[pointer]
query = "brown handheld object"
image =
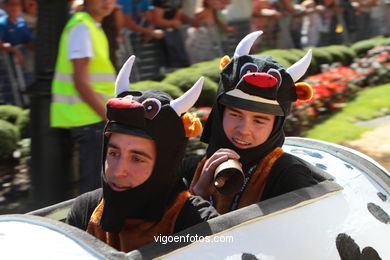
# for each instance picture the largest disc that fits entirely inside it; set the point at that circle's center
(228, 177)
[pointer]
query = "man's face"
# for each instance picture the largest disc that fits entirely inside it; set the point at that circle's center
(13, 8)
(129, 161)
(100, 8)
(246, 129)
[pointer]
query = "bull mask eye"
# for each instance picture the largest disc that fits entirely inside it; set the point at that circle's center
(248, 68)
(276, 74)
(152, 107)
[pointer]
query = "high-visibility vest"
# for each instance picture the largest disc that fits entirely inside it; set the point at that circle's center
(67, 107)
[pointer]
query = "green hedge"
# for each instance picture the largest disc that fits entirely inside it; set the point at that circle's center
(314, 67)
(289, 57)
(186, 78)
(321, 57)
(282, 56)
(384, 41)
(299, 52)
(336, 53)
(163, 86)
(362, 47)
(349, 53)
(9, 137)
(209, 69)
(10, 113)
(23, 123)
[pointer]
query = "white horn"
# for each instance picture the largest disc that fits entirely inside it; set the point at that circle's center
(188, 99)
(122, 82)
(245, 45)
(298, 69)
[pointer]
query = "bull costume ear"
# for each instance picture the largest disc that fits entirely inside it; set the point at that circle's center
(304, 91)
(223, 62)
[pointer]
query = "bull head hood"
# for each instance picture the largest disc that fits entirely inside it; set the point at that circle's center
(260, 84)
(154, 115)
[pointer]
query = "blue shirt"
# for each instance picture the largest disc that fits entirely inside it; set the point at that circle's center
(13, 33)
(136, 8)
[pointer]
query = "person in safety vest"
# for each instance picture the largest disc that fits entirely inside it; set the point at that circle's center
(246, 124)
(83, 82)
(142, 196)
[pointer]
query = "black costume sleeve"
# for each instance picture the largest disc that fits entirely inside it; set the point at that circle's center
(82, 209)
(188, 167)
(194, 211)
(290, 173)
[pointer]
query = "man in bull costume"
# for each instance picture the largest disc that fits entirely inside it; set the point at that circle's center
(142, 196)
(246, 123)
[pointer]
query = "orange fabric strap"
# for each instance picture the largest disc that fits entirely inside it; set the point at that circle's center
(197, 174)
(137, 232)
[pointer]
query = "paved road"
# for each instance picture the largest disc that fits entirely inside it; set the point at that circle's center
(376, 144)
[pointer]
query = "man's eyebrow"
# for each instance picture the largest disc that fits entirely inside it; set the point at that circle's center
(139, 152)
(111, 145)
(233, 109)
(262, 117)
(256, 116)
(142, 153)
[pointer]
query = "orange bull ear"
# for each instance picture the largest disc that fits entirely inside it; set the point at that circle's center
(223, 62)
(304, 91)
(192, 124)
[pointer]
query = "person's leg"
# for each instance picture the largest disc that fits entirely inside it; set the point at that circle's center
(90, 140)
(174, 48)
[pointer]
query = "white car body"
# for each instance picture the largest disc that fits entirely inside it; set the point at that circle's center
(346, 215)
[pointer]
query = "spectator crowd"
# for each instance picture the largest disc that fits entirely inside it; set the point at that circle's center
(17, 36)
(191, 31)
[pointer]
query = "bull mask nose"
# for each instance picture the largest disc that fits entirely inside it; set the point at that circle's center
(260, 79)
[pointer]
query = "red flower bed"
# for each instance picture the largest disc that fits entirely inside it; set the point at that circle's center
(203, 113)
(331, 88)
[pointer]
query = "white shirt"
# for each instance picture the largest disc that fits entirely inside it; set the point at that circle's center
(238, 10)
(79, 42)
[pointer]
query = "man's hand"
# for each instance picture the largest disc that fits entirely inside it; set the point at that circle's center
(15, 51)
(205, 185)
(230, 29)
(19, 57)
(175, 24)
(153, 34)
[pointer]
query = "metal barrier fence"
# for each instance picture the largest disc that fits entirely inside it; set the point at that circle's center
(151, 60)
(12, 82)
(150, 56)
(288, 33)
